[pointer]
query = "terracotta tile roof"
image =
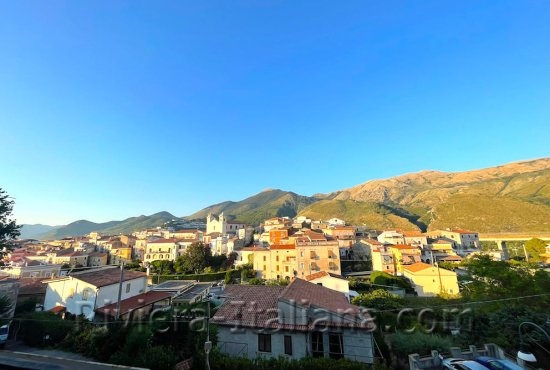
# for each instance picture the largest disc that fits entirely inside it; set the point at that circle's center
(97, 254)
(316, 275)
(403, 246)
(254, 248)
(451, 258)
(32, 286)
(57, 309)
(418, 266)
(65, 252)
(252, 306)
(282, 246)
(340, 227)
(106, 276)
(135, 302)
(32, 262)
(372, 242)
(316, 296)
(248, 305)
(321, 274)
(312, 235)
(412, 233)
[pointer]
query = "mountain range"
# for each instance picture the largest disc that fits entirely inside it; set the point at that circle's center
(507, 198)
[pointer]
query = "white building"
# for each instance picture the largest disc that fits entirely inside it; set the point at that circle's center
(462, 238)
(220, 224)
(391, 237)
(161, 249)
(84, 292)
(32, 269)
(331, 281)
(336, 222)
(296, 321)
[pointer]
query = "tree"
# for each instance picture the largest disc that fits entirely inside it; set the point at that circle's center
(228, 278)
(162, 267)
(196, 257)
(9, 229)
(497, 279)
(534, 248)
(379, 299)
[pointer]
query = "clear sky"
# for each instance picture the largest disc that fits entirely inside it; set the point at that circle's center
(112, 109)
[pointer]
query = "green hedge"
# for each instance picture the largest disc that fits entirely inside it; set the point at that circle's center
(35, 326)
(223, 362)
(214, 276)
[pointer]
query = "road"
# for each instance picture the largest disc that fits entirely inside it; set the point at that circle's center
(18, 356)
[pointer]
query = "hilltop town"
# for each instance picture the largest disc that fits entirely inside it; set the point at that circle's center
(329, 264)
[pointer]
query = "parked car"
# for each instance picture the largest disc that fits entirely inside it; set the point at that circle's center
(4, 331)
(497, 364)
(461, 364)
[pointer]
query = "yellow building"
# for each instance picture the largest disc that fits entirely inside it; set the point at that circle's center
(440, 251)
(161, 249)
(96, 259)
(404, 255)
(277, 262)
(315, 256)
(383, 260)
(120, 255)
(431, 280)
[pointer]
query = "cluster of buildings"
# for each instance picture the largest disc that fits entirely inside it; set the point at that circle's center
(310, 316)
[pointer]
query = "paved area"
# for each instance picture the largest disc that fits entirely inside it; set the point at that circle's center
(17, 355)
(21, 347)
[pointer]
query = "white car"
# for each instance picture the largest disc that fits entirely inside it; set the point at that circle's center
(461, 364)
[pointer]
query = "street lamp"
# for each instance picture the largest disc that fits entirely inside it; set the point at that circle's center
(524, 353)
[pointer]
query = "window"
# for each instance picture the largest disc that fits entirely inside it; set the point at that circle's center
(264, 258)
(277, 258)
(286, 268)
(128, 288)
(317, 344)
(288, 345)
(264, 342)
(277, 267)
(336, 346)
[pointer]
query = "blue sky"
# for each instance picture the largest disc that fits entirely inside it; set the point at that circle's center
(112, 109)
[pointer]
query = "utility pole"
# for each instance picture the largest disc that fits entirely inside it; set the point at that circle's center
(208, 343)
(117, 316)
(526, 255)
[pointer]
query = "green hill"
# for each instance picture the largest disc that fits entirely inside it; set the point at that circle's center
(83, 227)
(507, 198)
(372, 214)
(257, 208)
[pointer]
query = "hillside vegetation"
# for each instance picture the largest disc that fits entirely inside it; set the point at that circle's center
(83, 227)
(509, 198)
(257, 208)
(362, 213)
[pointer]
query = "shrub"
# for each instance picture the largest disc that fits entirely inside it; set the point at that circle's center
(418, 342)
(41, 329)
(223, 362)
